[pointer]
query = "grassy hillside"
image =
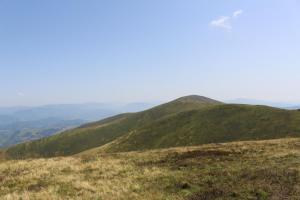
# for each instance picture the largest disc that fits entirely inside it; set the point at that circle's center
(221, 123)
(99, 133)
(240, 170)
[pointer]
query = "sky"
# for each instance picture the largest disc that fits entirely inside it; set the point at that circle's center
(75, 51)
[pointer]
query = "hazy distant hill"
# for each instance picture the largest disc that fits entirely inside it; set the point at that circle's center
(88, 111)
(18, 132)
(263, 102)
(19, 124)
(7, 119)
(294, 108)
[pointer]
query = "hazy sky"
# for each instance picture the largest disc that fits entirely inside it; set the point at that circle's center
(62, 51)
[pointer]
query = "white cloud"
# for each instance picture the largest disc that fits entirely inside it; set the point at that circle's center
(224, 22)
(20, 94)
(237, 13)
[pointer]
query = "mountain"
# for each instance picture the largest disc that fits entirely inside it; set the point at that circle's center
(20, 124)
(222, 123)
(190, 120)
(102, 132)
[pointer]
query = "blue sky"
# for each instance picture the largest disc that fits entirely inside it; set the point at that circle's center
(72, 51)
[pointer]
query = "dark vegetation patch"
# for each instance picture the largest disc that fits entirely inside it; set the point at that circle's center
(209, 194)
(280, 182)
(250, 183)
(184, 158)
(67, 170)
(88, 158)
(184, 185)
(200, 153)
(36, 187)
(236, 171)
(66, 190)
(2, 177)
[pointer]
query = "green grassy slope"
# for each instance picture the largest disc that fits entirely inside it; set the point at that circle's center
(102, 132)
(187, 121)
(221, 123)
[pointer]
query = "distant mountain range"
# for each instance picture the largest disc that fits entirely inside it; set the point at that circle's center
(294, 108)
(19, 124)
(22, 131)
(190, 120)
(88, 111)
(286, 105)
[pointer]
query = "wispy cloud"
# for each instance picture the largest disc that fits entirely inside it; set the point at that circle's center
(224, 22)
(20, 94)
(237, 13)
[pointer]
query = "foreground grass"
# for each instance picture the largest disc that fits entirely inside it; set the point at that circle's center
(241, 170)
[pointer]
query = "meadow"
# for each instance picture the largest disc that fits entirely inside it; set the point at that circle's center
(239, 170)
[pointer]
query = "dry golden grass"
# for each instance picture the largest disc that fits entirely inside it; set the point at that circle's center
(240, 170)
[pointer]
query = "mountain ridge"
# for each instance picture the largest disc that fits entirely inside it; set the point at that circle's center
(189, 120)
(99, 133)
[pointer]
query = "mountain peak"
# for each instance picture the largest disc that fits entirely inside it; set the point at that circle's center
(196, 98)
